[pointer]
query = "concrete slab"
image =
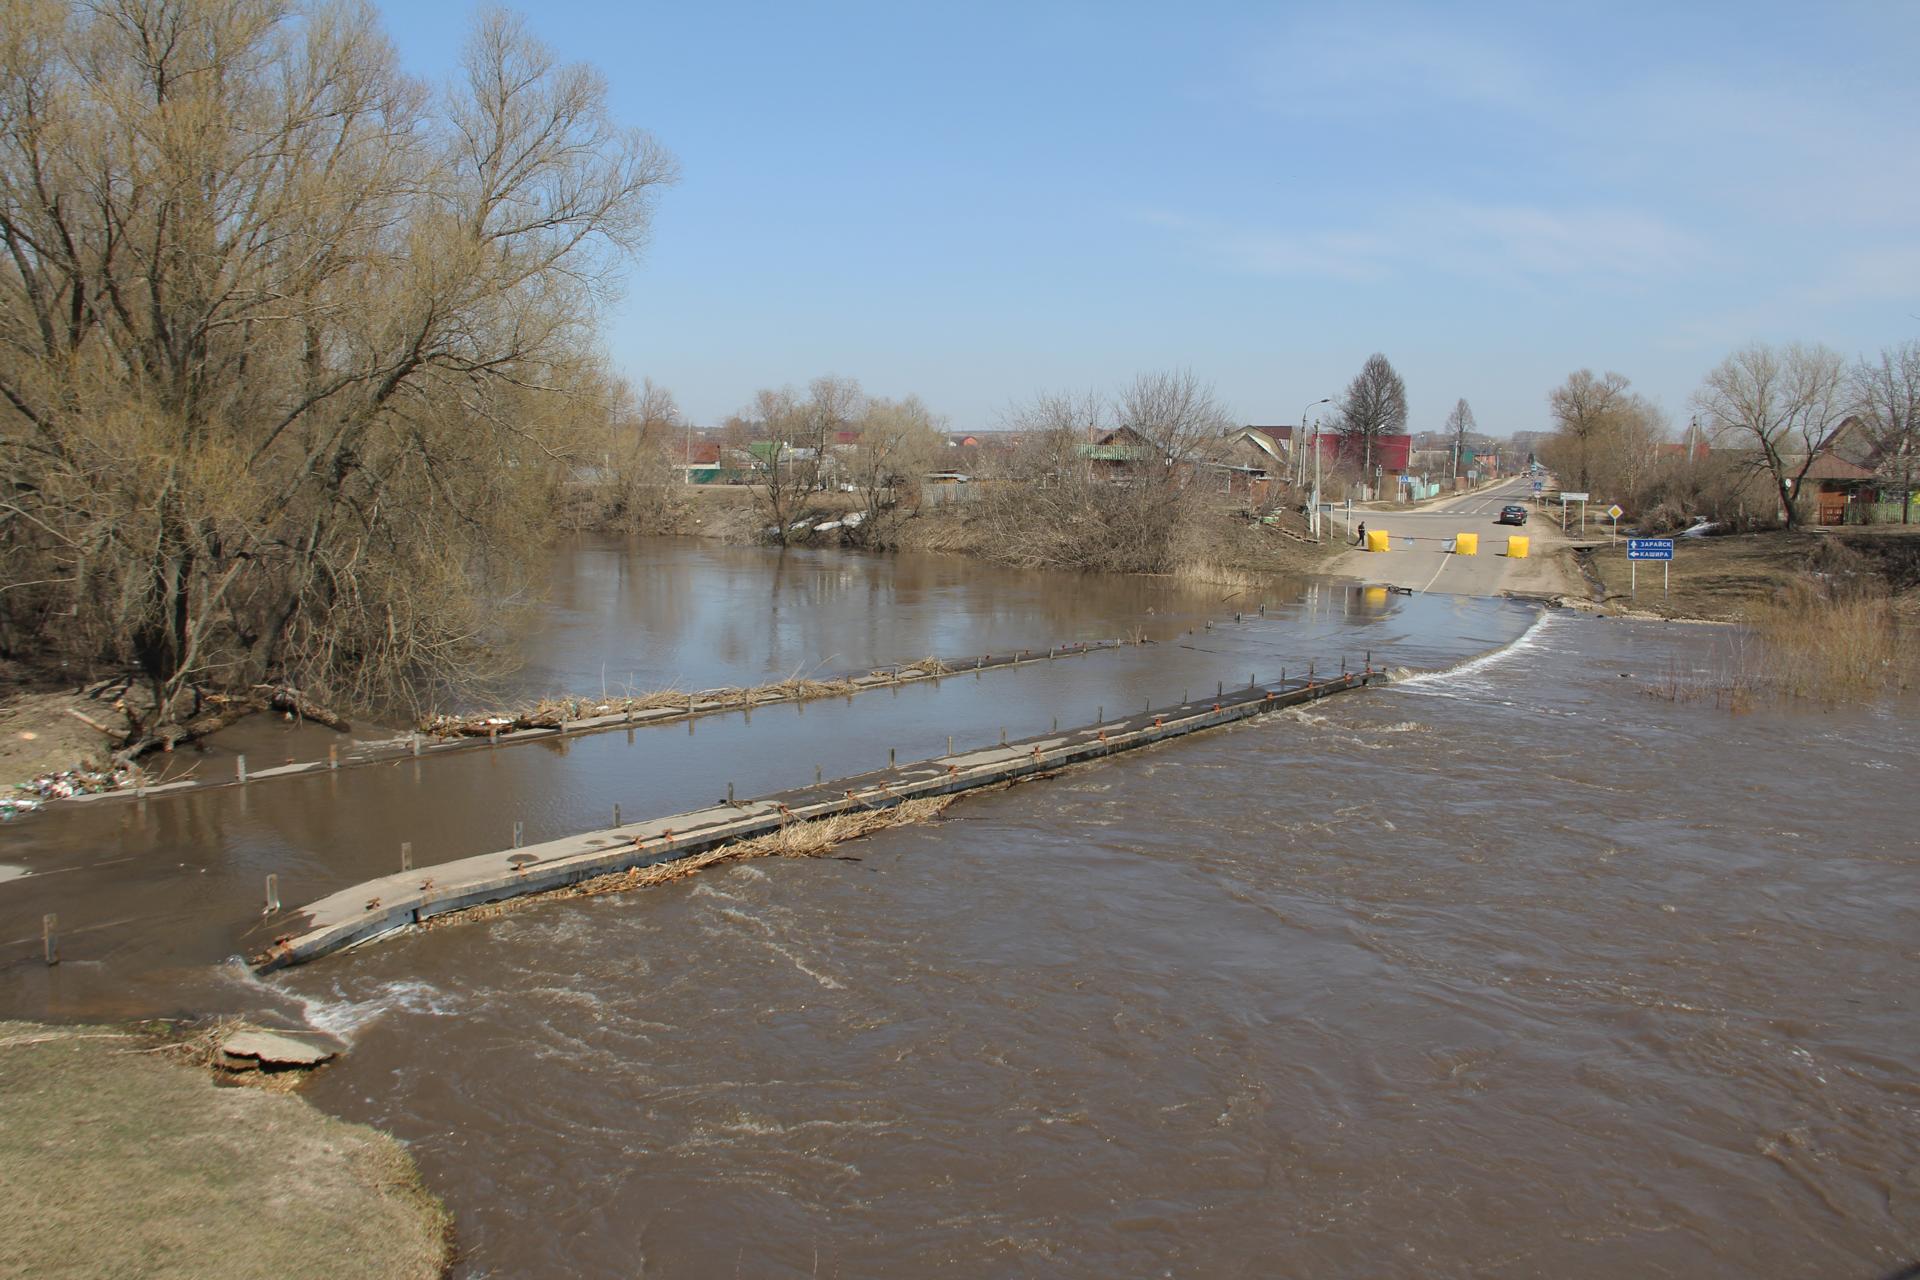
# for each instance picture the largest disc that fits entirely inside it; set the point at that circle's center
(273, 1049)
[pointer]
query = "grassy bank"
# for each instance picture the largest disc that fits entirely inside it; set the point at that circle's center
(118, 1159)
(1728, 579)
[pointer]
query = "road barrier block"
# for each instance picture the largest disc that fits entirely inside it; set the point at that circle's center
(1466, 544)
(1516, 547)
(1379, 540)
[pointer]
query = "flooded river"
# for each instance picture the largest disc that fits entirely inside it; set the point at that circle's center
(1509, 970)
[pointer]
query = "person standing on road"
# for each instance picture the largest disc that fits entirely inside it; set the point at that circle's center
(1360, 535)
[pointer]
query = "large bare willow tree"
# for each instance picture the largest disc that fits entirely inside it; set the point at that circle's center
(288, 343)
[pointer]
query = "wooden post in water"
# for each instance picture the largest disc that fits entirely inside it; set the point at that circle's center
(333, 756)
(616, 814)
(890, 757)
(240, 768)
(949, 744)
(519, 831)
(406, 855)
(273, 893)
(416, 744)
(50, 937)
(816, 775)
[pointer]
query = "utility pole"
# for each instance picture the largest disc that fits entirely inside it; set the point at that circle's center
(1299, 432)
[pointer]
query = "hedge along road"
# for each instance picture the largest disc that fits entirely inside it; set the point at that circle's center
(1420, 559)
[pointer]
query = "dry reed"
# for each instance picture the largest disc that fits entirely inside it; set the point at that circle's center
(1805, 644)
(1849, 648)
(815, 839)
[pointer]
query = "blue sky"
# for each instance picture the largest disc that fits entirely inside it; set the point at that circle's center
(975, 203)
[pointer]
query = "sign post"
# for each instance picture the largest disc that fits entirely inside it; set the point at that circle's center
(1639, 549)
(1615, 512)
(1580, 498)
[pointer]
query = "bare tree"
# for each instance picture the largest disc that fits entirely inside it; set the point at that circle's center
(656, 414)
(1584, 409)
(1077, 510)
(1460, 424)
(895, 442)
(1886, 391)
(797, 445)
(1629, 450)
(769, 427)
(283, 345)
(1781, 403)
(1375, 405)
(633, 448)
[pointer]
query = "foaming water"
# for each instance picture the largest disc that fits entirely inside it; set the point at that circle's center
(1462, 675)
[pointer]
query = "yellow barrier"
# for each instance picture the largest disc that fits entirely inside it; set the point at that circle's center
(1516, 548)
(1379, 540)
(1466, 544)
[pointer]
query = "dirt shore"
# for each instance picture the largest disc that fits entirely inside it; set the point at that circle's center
(116, 1159)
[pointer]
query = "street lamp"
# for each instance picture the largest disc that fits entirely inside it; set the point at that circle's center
(1313, 512)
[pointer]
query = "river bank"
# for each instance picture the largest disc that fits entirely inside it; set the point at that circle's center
(118, 1158)
(1728, 578)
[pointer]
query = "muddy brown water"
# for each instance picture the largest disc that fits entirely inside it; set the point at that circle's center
(1509, 970)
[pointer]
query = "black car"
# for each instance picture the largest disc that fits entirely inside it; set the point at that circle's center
(1513, 513)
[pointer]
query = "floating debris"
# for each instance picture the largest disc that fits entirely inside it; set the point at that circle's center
(63, 785)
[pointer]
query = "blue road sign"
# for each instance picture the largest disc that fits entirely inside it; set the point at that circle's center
(1537, 486)
(1649, 548)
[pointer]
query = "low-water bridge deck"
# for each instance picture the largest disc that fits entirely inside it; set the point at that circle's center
(377, 907)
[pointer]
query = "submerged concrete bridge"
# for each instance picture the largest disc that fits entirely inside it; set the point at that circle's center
(391, 903)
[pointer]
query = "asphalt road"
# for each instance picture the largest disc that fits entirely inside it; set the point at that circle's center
(1420, 559)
